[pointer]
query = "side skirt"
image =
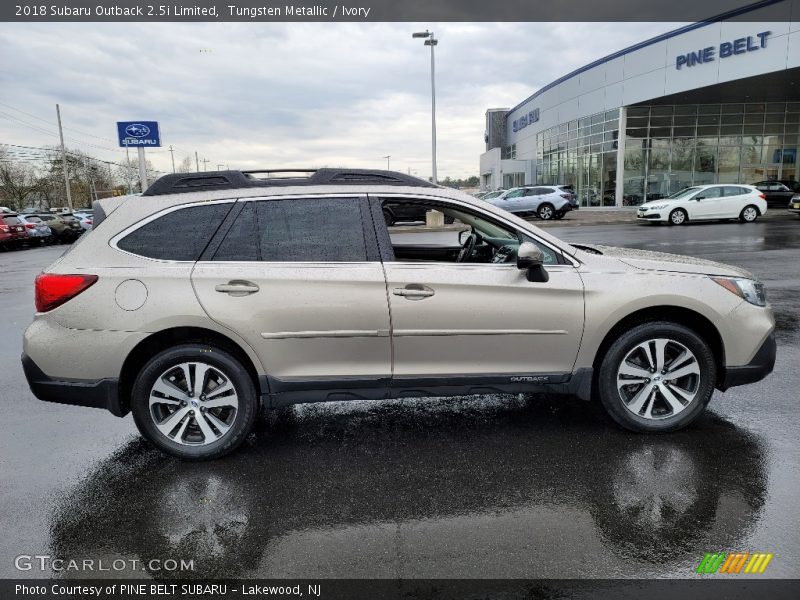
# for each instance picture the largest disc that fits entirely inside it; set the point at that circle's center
(278, 392)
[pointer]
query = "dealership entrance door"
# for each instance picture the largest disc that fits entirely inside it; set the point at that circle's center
(762, 172)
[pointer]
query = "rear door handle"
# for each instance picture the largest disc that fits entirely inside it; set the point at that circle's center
(414, 291)
(237, 288)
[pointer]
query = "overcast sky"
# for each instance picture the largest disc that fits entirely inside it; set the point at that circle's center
(286, 95)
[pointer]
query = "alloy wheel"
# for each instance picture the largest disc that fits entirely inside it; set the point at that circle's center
(658, 379)
(545, 213)
(193, 403)
(677, 217)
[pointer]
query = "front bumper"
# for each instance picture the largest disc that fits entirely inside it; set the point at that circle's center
(756, 370)
(96, 393)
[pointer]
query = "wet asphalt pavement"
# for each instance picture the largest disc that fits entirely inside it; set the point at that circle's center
(496, 486)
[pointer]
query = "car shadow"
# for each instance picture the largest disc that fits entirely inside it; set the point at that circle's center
(652, 498)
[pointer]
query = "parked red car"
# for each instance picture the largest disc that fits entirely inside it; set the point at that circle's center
(12, 231)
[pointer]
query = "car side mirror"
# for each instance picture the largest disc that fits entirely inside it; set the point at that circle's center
(531, 258)
(698, 198)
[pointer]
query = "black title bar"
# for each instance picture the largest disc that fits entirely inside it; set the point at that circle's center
(430, 11)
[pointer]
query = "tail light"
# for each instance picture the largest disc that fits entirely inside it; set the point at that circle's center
(88, 221)
(567, 196)
(53, 290)
(30, 225)
(762, 196)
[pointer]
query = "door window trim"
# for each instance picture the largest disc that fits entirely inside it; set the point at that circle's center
(370, 242)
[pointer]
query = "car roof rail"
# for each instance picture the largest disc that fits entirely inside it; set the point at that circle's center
(178, 183)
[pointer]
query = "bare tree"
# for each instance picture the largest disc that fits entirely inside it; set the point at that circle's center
(17, 181)
(186, 165)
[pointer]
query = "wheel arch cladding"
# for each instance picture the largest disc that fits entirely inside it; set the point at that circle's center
(672, 314)
(168, 338)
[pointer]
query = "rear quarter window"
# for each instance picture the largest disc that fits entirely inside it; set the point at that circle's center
(178, 235)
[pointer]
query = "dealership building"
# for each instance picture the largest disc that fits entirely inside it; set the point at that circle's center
(712, 102)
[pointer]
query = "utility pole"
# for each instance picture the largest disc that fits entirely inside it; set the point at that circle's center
(172, 152)
(219, 166)
(388, 157)
(196, 162)
(205, 162)
(64, 159)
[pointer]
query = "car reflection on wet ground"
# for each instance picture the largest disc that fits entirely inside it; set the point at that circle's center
(495, 486)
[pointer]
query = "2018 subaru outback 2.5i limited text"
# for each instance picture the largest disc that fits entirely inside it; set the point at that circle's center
(213, 294)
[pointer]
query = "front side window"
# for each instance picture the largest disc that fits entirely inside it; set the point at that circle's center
(467, 236)
(709, 193)
(179, 235)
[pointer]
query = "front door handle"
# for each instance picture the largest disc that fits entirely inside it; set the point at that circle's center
(414, 291)
(237, 288)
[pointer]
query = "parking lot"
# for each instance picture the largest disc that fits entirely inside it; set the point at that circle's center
(494, 486)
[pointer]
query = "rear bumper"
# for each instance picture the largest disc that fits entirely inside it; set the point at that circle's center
(756, 370)
(99, 393)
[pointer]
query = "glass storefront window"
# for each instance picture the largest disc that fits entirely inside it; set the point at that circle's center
(705, 165)
(728, 162)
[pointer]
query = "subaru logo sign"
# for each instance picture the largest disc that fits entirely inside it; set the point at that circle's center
(138, 133)
(137, 130)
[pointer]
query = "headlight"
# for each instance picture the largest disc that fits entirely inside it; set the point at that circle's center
(658, 206)
(752, 291)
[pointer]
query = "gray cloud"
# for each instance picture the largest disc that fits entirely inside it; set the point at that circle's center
(278, 95)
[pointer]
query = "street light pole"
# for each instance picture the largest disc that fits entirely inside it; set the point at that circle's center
(388, 157)
(431, 41)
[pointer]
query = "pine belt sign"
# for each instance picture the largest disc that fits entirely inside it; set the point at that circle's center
(730, 48)
(138, 133)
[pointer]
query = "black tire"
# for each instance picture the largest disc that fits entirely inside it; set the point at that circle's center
(559, 215)
(241, 422)
(678, 217)
(545, 211)
(749, 214)
(388, 217)
(611, 396)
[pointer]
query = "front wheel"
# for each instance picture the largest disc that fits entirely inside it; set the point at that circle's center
(677, 217)
(545, 212)
(657, 377)
(194, 401)
(749, 214)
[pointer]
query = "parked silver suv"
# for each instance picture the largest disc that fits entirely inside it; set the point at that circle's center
(213, 294)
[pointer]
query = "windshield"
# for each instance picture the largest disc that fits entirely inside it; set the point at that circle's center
(492, 195)
(514, 194)
(683, 193)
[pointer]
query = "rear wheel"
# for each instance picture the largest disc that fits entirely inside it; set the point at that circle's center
(749, 214)
(657, 376)
(194, 401)
(559, 215)
(545, 212)
(677, 217)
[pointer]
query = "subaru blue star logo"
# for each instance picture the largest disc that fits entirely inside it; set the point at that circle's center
(137, 130)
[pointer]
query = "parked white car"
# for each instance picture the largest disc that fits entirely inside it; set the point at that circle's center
(85, 220)
(706, 202)
(544, 201)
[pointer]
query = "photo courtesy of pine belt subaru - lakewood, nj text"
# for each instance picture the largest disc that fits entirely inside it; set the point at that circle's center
(214, 294)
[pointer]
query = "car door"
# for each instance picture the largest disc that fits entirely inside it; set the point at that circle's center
(706, 204)
(300, 279)
(456, 321)
(734, 199)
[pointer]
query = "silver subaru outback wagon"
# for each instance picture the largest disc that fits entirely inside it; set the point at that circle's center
(213, 295)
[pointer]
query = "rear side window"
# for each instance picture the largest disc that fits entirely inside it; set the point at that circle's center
(178, 235)
(311, 230)
(296, 230)
(12, 221)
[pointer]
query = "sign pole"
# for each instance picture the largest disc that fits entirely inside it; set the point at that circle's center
(142, 168)
(128, 170)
